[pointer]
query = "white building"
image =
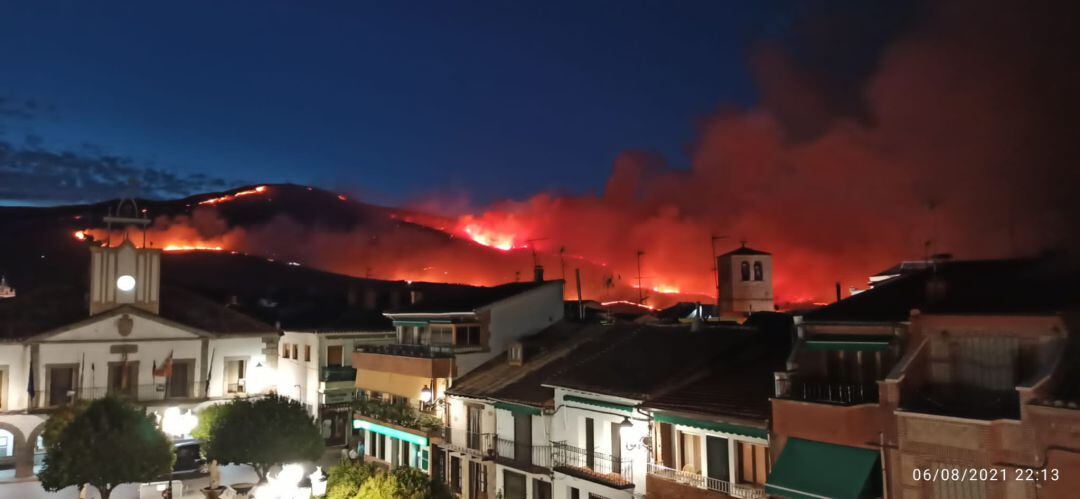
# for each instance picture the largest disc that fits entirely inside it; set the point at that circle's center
(441, 336)
(127, 334)
(745, 282)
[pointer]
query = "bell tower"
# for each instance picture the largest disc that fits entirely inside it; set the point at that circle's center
(745, 282)
(125, 274)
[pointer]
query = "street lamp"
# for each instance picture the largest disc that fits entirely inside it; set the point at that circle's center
(425, 394)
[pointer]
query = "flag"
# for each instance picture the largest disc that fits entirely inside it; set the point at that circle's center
(166, 367)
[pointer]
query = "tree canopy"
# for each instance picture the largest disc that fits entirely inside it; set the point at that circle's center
(356, 480)
(106, 443)
(262, 433)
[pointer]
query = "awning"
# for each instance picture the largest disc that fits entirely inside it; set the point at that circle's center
(746, 431)
(847, 346)
(815, 470)
(598, 403)
(517, 409)
(360, 424)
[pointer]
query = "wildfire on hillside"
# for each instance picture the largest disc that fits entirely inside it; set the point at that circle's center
(229, 197)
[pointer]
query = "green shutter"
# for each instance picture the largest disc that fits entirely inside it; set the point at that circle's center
(815, 470)
(517, 409)
(598, 403)
(746, 431)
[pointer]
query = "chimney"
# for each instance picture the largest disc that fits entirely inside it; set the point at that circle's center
(538, 273)
(580, 303)
(838, 296)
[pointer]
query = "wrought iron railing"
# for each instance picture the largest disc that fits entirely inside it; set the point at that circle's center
(834, 393)
(535, 455)
(141, 393)
(739, 490)
(605, 467)
(409, 350)
(469, 442)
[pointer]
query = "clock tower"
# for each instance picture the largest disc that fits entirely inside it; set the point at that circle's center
(125, 274)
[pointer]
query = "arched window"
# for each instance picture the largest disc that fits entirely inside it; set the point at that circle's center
(758, 273)
(745, 271)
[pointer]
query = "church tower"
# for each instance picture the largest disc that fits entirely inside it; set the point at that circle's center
(745, 282)
(125, 274)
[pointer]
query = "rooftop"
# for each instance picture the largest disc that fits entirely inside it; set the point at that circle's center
(1014, 286)
(461, 298)
(743, 250)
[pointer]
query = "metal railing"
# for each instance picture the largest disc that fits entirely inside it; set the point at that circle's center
(834, 393)
(704, 482)
(535, 455)
(337, 373)
(469, 442)
(408, 350)
(140, 393)
(594, 464)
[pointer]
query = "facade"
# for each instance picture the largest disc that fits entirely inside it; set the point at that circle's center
(745, 282)
(315, 368)
(440, 336)
(955, 367)
(138, 339)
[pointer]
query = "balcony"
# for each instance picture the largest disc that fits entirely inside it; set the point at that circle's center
(410, 350)
(833, 393)
(149, 393)
(398, 415)
(469, 442)
(598, 467)
(527, 457)
(695, 480)
(337, 373)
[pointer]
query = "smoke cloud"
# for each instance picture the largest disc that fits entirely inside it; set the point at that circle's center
(958, 142)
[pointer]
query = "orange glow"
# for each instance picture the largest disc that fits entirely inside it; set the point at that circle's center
(229, 197)
(185, 247)
(489, 238)
(342, 197)
(80, 235)
(627, 302)
(666, 289)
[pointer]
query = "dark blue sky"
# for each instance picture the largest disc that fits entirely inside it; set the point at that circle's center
(390, 100)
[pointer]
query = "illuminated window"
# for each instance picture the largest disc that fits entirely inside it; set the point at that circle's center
(745, 267)
(759, 274)
(753, 463)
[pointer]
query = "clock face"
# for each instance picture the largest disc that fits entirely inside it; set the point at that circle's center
(125, 283)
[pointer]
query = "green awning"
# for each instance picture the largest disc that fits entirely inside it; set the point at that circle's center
(360, 424)
(517, 409)
(815, 470)
(847, 346)
(411, 323)
(598, 403)
(746, 431)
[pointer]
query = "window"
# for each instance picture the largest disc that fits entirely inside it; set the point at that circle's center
(307, 353)
(523, 438)
(284, 350)
(477, 479)
(235, 374)
(123, 379)
(590, 443)
(716, 457)
(753, 463)
(473, 427)
(575, 493)
(455, 474)
(61, 380)
(513, 485)
(6, 446)
(467, 336)
(759, 274)
(334, 355)
(440, 334)
(399, 400)
(295, 352)
(182, 379)
(541, 489)
(616, 448)
(745, 269)
(689, 453)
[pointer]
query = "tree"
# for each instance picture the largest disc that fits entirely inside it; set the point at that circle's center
(345, 479)
(262, 433)
(107, 443)
(402, 483)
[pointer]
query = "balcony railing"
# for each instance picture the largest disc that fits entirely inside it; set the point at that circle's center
(596, 466)
(833, 393)
(407, 350)
(139, 393)
(469, 442)
(337, 373)
(704, 482)
(527, 455)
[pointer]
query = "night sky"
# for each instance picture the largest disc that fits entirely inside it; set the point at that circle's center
(391, 101)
